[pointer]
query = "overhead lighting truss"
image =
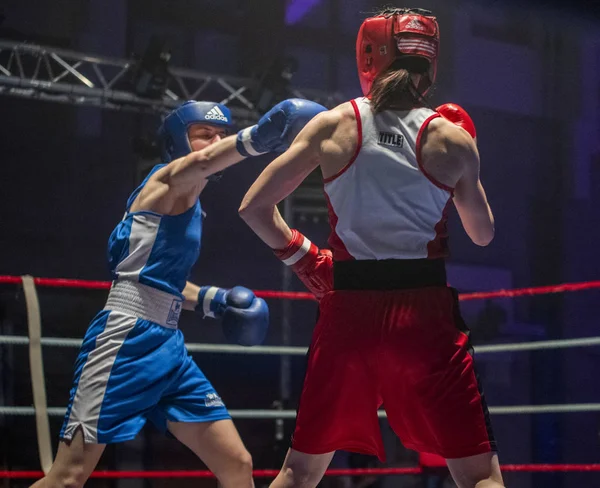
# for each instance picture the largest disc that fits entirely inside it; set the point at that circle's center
(59, 75)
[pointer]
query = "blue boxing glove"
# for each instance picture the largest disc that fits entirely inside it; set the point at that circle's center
(245, 318)
(278, 128)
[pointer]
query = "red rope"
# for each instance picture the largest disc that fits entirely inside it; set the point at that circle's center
(271, 473)
(286, 295)
(539, 290)
(60, 282)
(551, 468)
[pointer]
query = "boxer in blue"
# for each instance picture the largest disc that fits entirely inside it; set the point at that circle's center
(133, 365)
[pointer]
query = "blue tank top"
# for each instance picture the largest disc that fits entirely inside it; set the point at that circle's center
(155, 250)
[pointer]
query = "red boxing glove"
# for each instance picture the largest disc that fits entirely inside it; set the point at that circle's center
(312, 265)
(459, 116)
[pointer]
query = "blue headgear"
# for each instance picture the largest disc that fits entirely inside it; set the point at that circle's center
(173, 132)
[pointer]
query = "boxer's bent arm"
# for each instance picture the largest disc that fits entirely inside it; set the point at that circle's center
(469, 196)
(187, 171)
(190, 292)
(280, 178)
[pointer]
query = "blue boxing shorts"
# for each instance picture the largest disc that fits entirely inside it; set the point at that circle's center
(131, 369)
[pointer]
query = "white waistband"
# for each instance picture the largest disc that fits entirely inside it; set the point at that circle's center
(145, 302)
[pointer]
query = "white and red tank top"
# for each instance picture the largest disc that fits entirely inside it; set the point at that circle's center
(382, 204)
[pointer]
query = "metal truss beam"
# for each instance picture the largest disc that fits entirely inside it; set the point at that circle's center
(59, 75)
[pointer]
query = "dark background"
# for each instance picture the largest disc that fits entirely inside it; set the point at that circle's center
(528, 73)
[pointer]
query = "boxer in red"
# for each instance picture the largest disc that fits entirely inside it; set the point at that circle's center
(389, 332)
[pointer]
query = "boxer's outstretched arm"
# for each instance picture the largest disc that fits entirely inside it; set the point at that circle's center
(280, 178)
(187, 171)
(273, 133)
(186, 175)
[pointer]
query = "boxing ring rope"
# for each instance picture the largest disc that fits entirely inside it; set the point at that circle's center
(529, 291)
(40, 409)
(301, 351)
(259, 414)
(271, 473)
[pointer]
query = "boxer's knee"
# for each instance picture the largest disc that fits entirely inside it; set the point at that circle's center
(480, 471)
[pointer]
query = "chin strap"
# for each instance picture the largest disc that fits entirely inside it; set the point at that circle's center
(419, 97)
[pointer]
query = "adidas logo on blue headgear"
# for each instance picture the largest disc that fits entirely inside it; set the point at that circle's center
(216, 113)
(173, 130)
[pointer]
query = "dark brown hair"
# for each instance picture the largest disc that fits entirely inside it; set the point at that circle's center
(394, 88)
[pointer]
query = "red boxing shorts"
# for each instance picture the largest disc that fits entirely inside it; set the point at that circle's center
(407, 351)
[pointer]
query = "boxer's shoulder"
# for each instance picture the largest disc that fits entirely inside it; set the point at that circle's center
(325, 123)
(442, 132)
(344, 111)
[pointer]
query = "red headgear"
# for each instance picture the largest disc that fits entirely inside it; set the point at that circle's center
(393, 34)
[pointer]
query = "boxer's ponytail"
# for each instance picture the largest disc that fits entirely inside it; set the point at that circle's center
(394, 88)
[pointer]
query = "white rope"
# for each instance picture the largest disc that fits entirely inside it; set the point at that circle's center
(273, 350)
(291, 414)
(539, 345)
(38, 381)
(27, 411)
(46, 341)
(301, 351)
(525, 409)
